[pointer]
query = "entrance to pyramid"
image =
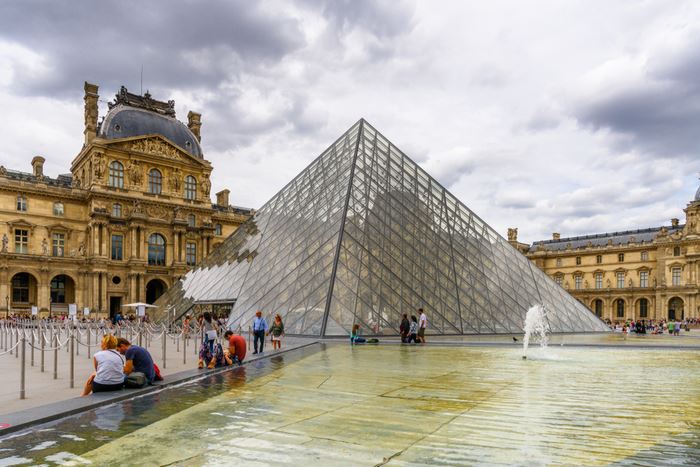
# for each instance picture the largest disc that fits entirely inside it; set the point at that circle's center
(362, 236)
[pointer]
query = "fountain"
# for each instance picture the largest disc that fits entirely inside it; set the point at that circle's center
(535, 325)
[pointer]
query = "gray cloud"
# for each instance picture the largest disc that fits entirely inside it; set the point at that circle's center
(660, 114)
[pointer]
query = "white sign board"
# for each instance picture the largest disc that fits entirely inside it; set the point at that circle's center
(72, 309)
(35, 311)
(141, 310)
(86, 311)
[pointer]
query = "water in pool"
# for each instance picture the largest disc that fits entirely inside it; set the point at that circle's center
(401, 405)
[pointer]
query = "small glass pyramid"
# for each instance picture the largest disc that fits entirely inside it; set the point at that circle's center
(363, 235)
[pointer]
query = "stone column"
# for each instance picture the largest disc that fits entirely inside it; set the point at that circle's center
(95, 232)
(43, 291)
(103, 294)
(5, 288)
(94, 292)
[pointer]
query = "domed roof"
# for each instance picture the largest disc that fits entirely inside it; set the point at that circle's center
(697, 195)
(123, 121)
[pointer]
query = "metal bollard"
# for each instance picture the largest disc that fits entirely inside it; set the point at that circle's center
(140, 337)
(32, 348)
(165, 343)
(23, 371)
(72, 360)
(42, 351)
(88, 346)
(55, 357)
(184, 351)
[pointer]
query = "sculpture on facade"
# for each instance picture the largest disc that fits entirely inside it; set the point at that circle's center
(175, 180)
(513, 235)
(206, 185)
(100, 165)
(44, 247)
(135, 173)
(4, 243)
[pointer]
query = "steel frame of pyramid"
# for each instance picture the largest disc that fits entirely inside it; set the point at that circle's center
(363, 235)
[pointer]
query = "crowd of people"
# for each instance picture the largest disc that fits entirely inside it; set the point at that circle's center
(673, 327)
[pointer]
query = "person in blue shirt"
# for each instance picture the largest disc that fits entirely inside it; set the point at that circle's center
(259, 331)
(137, 359)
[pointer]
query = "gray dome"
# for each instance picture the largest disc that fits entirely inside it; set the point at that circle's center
(125, 121)
(697, 195)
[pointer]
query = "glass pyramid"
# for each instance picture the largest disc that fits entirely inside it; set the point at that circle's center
(363, 235)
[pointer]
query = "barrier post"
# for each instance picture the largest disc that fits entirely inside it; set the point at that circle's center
(42, 350)
(184, 350)
(32, 347)
(165, 344)
(23, 371)
(55, 356)
(88, 346)
(72, 359)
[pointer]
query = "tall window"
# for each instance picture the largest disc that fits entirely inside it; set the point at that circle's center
(21, 241)
(598, 308)
(117, 247)
(598, 280)
(558, 279)
(676, 251)
(58, 289)
(620, 280)
(676, 276)
(599, 259)
(20, 288)
(645, 256)
(191, 254)
(58, 243)
(620, 308)
(558, 262)
(58, 209)
(217, 229)
(643, 308)
(116, 210)
(577, 282)
(156, 250)
(155, 181)
(21, 203)
(621, 258)
(578, 260)
(116, 174)
(644, 279)
(190, 187)
(191, 220)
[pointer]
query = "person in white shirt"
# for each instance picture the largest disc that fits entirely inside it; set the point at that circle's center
(109, 368)
(422, 324)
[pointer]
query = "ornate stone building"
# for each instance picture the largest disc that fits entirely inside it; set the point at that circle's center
(131, 218)
(636, 274)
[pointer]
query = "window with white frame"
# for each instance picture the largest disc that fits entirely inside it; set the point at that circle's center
(21, 203)
(620, 280)
(58, 209)
(645, 256)
(598, 280)
(58, 243)
(21, 241)
(676, 276)
(578, 280)
(558, 279)
(644, 279)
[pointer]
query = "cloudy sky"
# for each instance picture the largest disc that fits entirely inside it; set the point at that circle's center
(570, 116)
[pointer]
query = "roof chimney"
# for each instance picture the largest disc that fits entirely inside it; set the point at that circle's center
(222, 197)
(91, 97)
(674, 222)
(194, 123)
(38, 166)
(556, 236)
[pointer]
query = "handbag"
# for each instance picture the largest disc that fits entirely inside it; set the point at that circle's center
(135, 380)
(211, 335)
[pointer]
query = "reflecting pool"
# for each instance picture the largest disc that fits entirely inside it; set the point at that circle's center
(400, 405)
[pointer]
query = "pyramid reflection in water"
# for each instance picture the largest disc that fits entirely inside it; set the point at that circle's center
(363, 235)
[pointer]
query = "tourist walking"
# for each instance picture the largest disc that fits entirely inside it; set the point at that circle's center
(404, 327)
(422, 325)
(277, 332)
(677, 328)
(259, 331)
(109, 368)
(413, 330)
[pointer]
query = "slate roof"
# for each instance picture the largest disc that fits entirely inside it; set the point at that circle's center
(617, 238)
(62, 181)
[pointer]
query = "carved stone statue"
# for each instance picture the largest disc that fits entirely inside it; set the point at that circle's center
(175, 180)
(44, 247)
(607, 283)
(81, 249)
(513, 235)
(206, 186)
(631, 283)
(137, 209)
(100, 166)
(4, 243)
(135, 174)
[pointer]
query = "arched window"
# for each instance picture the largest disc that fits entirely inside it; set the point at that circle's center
(620, 308)
(58, 289)
(155, 181)
(116, 174)
(191, 220)
(190, 187)
(20, 288)
(116, 210)
(643, 308)
(58, 209)
(156, 250)
(598, 308)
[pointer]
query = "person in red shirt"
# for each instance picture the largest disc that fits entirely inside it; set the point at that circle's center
(236, 346)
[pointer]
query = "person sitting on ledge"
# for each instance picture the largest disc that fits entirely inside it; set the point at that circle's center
(137, 359)
(355, 335)
(109, 366)
(236, 346)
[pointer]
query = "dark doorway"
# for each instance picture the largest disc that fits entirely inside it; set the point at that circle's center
(115, 304)
(675, 308)
(154, 289)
